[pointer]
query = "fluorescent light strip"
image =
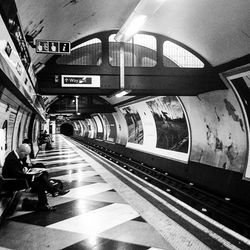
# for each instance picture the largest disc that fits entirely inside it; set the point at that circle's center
(144, 10)
(122, 93)
(135, 26)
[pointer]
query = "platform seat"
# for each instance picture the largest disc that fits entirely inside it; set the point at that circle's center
(10, 193)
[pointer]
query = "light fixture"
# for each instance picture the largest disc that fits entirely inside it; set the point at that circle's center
(142, 12)
(38, 67)
(132, 28)
(122, 92)
(119, 93)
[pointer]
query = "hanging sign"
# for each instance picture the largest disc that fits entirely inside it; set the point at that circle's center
(81, 81)
(53, 47)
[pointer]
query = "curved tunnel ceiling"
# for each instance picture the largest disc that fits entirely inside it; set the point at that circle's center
(217, 30)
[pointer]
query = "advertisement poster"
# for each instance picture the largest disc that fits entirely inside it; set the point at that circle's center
(134, 123)
(219, 135)
(99, 126)
(85, 131)
(121, 127)
(171, 124)
(91, 128)
(158, 126)
(110, 127)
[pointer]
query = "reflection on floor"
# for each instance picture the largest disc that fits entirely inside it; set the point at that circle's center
(99, 212)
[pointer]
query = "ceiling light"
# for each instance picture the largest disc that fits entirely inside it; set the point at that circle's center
(38, 67)
(121, 93)
(142, 12)
(133, 27)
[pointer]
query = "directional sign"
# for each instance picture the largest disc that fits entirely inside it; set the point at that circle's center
(81, 81)
(53, 47)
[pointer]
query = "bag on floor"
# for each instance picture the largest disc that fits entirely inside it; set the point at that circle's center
(29, 205)
(57, 184)
(48, 146)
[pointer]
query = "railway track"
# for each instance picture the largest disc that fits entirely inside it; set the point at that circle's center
(218, 208)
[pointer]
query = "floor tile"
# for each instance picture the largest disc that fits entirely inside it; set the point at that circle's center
(81, 166)
(88, 190)
(63, 212)
(96, 243)
(99, 220)
(67, 160)
(58, 156)
(136, 232)
(23, 236)
(64, 164)
(107, 197)
(76, 176)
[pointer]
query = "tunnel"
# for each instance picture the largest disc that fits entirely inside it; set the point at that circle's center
(67, 129)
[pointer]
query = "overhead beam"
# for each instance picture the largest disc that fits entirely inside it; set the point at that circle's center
(176, 82)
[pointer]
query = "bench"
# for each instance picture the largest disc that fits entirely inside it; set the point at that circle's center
(41, 141)
(44, 140)
(10, 194)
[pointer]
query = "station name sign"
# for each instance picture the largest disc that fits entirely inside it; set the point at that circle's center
(53, 47)
(81, 81)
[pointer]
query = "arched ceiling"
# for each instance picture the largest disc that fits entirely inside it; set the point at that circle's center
(218, 30)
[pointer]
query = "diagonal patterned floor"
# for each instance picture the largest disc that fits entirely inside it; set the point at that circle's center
(109, 208)
(91, 216)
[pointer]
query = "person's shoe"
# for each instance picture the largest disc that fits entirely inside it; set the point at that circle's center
(63, 192)
(46, 208)
(55, 194)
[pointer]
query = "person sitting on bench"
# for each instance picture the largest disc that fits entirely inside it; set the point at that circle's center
(45, 138)
(15, 166)
(27, 162)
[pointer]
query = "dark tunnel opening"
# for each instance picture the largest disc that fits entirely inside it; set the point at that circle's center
(67, 129)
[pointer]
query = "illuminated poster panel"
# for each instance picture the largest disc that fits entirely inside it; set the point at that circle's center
(134, 123)
(2, 146)
(158, 126)
(81, 128)
(219, 135)
(109, 126)
(90, 128)
(121, 127)
(22, 125)
(35, 135)
(16, 131)
(26, 127)
(77, 128)
(10, 130)
(98, 123)
(94, 127)
(85, 131)
(171, 124)
(240, 84)
(99, 127)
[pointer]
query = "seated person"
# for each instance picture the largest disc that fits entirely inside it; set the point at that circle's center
(48, 136)
(45, 138)
(15, 166)
(27, 162)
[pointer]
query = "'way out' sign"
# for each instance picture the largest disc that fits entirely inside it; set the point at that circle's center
(81, 81)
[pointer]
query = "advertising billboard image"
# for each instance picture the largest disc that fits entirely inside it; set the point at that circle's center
(171, 124)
